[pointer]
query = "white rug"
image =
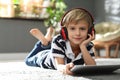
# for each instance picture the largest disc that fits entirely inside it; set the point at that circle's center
(18, 70)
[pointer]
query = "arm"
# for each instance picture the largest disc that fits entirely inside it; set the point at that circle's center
(59, 63)
(58, 50)
(86, 56)
(62, 67)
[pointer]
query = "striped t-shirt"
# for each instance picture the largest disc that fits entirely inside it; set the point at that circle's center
(61, 48)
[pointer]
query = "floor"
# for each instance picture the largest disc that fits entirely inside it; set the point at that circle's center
(10, 71)
(17, 70)
(13, 68)
(13, 56)
(22, 55)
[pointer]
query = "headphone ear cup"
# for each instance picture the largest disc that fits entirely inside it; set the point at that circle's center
(64, 33)
(90, 30)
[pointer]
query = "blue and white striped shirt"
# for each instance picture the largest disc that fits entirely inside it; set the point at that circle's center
(61, 48)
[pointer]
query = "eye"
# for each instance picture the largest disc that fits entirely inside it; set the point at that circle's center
(82, 28)
(72, 28)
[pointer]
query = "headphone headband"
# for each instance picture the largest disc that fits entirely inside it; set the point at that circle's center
(80, 9)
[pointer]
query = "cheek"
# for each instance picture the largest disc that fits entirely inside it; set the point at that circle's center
(69, 35)
(69, 32)
(85, 35)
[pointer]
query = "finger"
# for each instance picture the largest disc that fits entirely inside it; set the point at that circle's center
(71, 65)
(68, 72)
(68, 68)
(89, 36)
(93, 35)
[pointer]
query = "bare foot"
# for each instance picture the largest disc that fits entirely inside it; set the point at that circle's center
(49, 34)
(39, 35)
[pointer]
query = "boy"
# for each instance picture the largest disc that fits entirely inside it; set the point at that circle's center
(71, 47)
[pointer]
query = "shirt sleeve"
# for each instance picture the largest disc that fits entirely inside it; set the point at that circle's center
(58, 47)
(90, 49)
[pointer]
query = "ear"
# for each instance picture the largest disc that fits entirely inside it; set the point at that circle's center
(64, 33)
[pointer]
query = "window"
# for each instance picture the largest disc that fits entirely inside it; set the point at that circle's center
(112, 10)
(35, 9)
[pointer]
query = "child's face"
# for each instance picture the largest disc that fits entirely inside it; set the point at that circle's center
(77, 33)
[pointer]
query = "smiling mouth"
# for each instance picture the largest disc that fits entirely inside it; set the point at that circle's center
(77, 38)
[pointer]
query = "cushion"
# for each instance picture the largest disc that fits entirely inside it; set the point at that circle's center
(106, 31)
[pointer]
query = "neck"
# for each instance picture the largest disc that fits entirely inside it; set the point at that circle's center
(76, 49)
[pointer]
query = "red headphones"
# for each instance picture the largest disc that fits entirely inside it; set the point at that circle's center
(64, 32)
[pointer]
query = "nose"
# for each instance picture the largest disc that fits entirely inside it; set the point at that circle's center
(77, 32)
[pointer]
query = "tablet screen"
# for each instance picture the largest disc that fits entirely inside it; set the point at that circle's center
(94, 69)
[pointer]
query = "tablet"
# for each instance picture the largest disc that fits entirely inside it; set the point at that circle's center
(94, 69)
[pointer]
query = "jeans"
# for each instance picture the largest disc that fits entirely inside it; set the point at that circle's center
(37, 54)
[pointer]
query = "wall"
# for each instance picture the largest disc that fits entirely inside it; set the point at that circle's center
(15, 37)
(86, 4)
(14, 34)
(99, 11)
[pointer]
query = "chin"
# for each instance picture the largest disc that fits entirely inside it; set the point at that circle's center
(77, 43)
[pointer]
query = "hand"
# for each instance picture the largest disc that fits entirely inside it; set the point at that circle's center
(68, 68)
(90, 38)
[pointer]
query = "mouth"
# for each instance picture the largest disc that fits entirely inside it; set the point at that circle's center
(77, 38)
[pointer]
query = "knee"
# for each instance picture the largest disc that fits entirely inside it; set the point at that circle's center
(30, 62)
(27, 62)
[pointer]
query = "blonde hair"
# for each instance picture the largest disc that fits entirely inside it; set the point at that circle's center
(75, 15)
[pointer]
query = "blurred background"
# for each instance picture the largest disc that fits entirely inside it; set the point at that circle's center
(15, 40)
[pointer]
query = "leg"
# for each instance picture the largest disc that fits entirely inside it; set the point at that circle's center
(116, 50)
(49, 34)
(32, 56)
(39, 46)
(39, 35)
